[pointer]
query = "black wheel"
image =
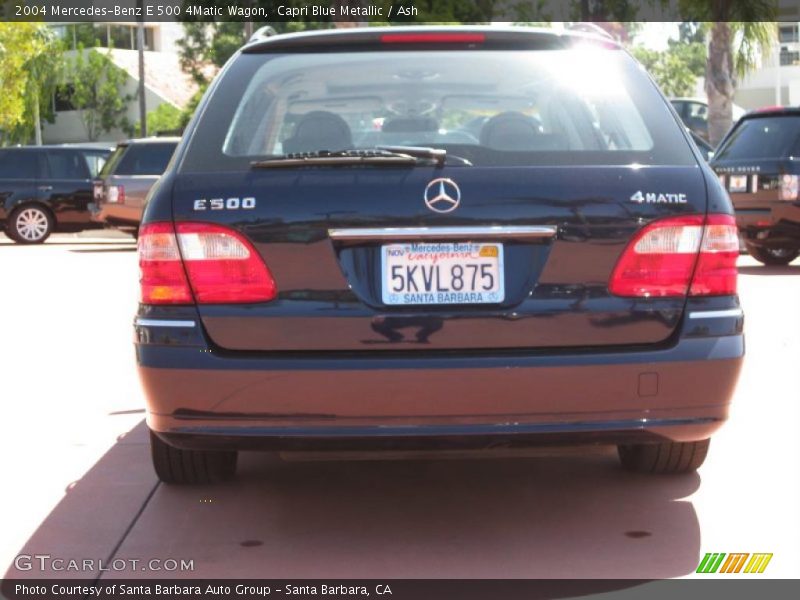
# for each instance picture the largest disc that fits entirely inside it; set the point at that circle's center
(30, 224)
(664, 457)
(772, 256)
(174, 465)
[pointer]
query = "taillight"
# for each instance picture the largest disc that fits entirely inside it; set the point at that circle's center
(788, 189)
(221, 266)
(716, 273)
(662, 258)
(162, 279)
(116, 193)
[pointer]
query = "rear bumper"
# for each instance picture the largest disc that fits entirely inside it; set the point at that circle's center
(199, 397)
(116, 214)
(770, 223)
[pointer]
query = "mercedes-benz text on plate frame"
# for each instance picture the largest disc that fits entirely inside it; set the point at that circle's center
(442, 273)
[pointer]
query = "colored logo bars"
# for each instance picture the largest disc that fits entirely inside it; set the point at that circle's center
(713, 563)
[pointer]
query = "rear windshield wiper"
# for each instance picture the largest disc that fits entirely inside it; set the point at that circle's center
(392, 156)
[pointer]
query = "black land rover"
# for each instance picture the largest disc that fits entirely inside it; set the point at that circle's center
(759, 163)
(47, 188)
(428, 237)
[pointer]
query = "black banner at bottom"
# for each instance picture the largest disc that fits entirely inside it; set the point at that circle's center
(394, 589)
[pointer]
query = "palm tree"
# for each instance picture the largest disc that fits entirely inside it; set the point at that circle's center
(740, 31)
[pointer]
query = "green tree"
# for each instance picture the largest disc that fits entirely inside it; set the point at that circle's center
(166, 118)
(739, 32)
(31, 58)
(97, 92)
(205, 47)
(675, 69)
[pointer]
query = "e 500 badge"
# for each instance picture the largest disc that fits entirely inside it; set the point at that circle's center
(248, 203)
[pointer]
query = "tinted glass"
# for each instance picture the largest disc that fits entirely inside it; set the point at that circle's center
(95, 161)
(764, 137)
(145, 159)
(66, 164)
(504, 108)
(17, 164)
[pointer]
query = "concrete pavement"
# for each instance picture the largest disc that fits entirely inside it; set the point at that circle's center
(78, 482)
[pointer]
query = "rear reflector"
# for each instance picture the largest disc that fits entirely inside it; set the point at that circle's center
(433, 38)
(678, 255)
(221, 266)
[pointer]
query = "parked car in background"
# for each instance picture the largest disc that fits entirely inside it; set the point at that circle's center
(757, 163)
(122, 186)
(484, 269)
(694, 114)
(48, 188)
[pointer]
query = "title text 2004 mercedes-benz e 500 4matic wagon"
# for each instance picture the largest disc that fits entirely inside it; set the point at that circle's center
(436, 237)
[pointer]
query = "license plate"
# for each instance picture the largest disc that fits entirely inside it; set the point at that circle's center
(737, 183)
(442, 273)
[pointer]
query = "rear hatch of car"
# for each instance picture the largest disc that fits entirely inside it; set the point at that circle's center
(132, 171)
(510, 243)
(756, 163)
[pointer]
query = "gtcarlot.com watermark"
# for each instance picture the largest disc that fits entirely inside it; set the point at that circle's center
(46, 562)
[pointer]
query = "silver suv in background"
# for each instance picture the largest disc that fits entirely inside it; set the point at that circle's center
(123, 184)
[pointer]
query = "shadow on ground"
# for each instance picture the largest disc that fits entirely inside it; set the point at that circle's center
(557, 516)
(98, 250)
(765, 270)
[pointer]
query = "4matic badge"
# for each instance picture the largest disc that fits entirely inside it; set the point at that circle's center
(658, 198)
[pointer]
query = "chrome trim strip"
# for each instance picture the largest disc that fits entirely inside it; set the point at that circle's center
(716, 314)
(444, 233)
(163, 323)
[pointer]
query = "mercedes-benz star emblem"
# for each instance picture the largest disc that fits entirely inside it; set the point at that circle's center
(442, 195)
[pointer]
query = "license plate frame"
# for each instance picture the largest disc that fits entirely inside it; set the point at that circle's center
(471, 256)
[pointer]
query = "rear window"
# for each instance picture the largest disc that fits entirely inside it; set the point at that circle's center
(15, 164)
(493, 107)
(763, 137)
(145, 159)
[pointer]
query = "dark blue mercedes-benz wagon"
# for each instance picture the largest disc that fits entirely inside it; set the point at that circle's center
(436, 238)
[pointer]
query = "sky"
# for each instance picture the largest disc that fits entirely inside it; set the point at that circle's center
(655, 35)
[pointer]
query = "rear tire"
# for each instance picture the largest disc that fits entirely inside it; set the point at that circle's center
(772, 256)
(664, 457)
(30, 224)
(186, 467)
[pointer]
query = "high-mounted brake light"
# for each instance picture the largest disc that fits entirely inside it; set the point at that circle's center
(210, 263)
(770, 109)
(678, 255)
(433, 38)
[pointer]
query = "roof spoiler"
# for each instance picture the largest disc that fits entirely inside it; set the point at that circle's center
(262, 33)
(593, 28)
